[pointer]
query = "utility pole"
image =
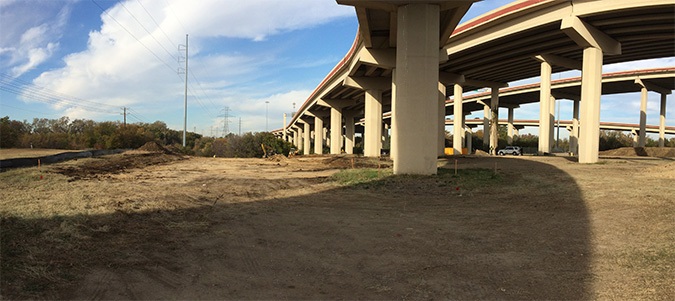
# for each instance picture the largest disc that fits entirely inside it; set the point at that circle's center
(239, 126)
(125, 116)
(186, 88)
(267, 106)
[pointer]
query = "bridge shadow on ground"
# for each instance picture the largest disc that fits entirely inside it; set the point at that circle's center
(520, 234)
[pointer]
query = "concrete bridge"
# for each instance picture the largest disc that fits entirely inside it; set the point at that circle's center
(407, 54)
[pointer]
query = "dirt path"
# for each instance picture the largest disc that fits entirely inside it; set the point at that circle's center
(207, 228)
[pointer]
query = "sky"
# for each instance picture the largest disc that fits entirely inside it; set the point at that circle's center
(249, 60)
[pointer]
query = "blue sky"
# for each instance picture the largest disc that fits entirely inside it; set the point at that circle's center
(88, 59)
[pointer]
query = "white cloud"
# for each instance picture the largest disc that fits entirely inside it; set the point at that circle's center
(29, 40)
(125, 65)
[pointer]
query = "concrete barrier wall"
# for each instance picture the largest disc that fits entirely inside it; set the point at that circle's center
(28, 162)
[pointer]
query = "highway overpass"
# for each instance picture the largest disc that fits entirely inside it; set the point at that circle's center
(409, 56)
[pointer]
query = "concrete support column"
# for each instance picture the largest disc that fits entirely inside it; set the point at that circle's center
(486, 127)
(284, 132)
(349, 131)
(416, 105)
(545, 127)
(494, 120)
(469, 139)
(295, 138)
(306, 139)
(335, 130)
(510, 126)
(642, 138)
(591, 90)
(574, 135)
(318, 135)
(393, 142)
(386, 140)
(457, 124)
(372, 143)
(441, 119)
(662, 122)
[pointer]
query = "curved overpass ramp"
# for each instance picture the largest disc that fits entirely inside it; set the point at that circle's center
(409, 54)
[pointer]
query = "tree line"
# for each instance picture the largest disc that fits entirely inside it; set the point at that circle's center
(63, 133)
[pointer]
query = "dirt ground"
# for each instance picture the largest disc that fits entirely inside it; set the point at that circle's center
(141, 225)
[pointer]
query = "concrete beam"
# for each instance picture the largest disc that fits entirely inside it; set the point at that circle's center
(556, 60)
(449, 79)
(652, 87)
(368, 83)
(563, 95)
(483, 83)
(586, 36)
(364, 25)
(337, 103)
(382, 58)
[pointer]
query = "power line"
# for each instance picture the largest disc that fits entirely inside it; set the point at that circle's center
(132, 35)
(146, 30)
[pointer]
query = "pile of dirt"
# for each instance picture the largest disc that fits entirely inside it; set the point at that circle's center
(114, 164)
(277, 158)
(351, 161)
(667, 152)
(481, 153)
(155, 147)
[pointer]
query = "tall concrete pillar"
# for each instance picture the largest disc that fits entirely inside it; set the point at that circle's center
(591, 90)
(574, 135)
(284, 132)
(457, 124)
(295, 138)
(306, 139)
(386, 139)
(318, 135)
(486, 127)
(416, 105)
(372, 143)
(545, 127)
(469, 139)
(349, 131)
(642, 138)
(394, 136)
(510, 126)
(335, 130)
(551, 122)
(662, 121)
(594, 42)
(441, 119)
(494, 120)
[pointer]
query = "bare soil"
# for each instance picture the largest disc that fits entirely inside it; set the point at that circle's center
(143, 225)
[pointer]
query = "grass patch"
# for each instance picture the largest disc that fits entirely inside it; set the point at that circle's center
(360, 176)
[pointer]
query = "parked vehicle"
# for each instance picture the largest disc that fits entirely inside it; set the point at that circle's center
(510, 150)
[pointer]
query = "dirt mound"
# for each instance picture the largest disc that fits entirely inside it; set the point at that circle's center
(481, 153)
(277, 158)
(350, 161)
(155, 147)
(114, 164)
(668, 152)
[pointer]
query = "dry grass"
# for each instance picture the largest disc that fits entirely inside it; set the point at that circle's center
(10, 153)
(540, 228)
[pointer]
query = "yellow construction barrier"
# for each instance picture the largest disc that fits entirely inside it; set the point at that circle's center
(449, 151)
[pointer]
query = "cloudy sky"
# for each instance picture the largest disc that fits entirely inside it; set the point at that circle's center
(251, 60)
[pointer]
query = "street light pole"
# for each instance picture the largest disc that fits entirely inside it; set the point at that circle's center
(267, 105)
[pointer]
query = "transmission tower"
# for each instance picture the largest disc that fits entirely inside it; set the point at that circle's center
(186, 87)
(226, 120)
